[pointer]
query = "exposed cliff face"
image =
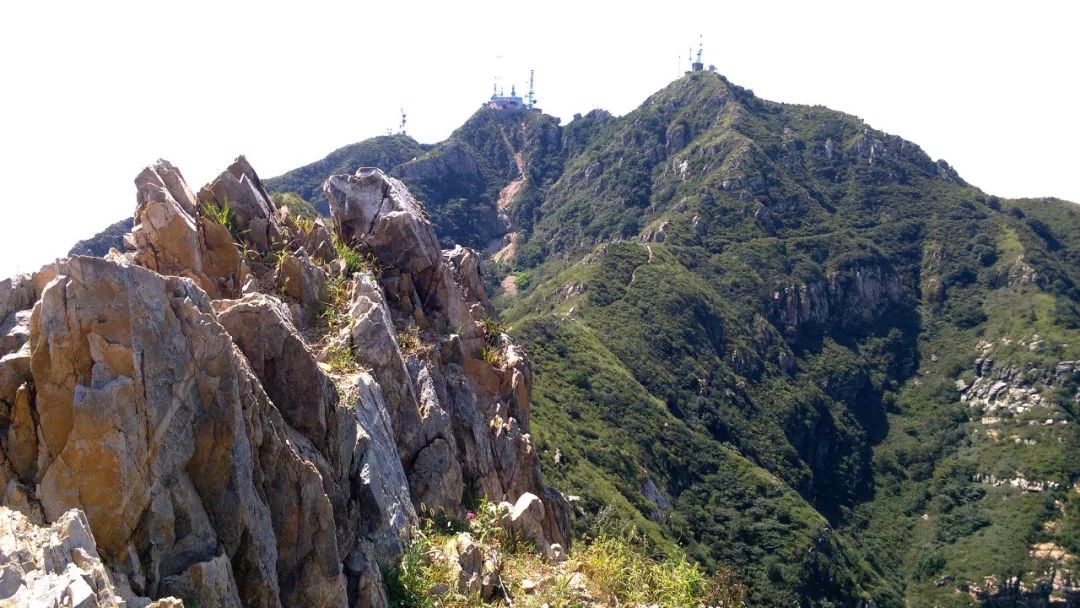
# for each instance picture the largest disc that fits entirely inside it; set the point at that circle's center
(859, 294)
(214, 458)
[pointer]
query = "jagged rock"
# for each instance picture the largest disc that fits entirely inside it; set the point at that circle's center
(14, 331)
(466, 563)
(378, 477)
(466, 264)
(254, 213)
(474, 415)
(308, 400)
(16, 294)
(526, 517)
(375, 211)
(372, 338)
(302, 282)
(154, 424)
(311, 236)
(57, 566)
(356, 455)
(101, 243)
(171, 236)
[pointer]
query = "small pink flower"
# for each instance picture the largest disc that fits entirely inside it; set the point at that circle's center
(470, 515)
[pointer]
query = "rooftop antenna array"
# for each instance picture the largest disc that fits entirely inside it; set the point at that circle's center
(695, 62)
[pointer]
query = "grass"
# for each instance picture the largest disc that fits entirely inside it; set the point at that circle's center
(223, 215)
(608, 569)
(355, 261)
(491, 355)
(409, 341)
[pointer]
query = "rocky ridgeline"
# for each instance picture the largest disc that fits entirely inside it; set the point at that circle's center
(170, 426)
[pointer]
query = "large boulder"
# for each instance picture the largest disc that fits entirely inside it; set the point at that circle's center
(301, 281)
(260, 326)
(377, 213)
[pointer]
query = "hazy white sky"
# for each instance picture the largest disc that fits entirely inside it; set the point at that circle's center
(90, 92)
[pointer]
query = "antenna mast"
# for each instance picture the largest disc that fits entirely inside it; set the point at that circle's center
(402, 121)
(532, 89)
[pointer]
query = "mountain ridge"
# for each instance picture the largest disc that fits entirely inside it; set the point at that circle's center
(760, 334)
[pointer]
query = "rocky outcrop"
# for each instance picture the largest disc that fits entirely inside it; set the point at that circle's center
(155, 426)
(240, 190)
(472, 410)
(58, 565)
(172, 236)
(858, 294)
(196, 435)
(303, 283)
(466, 265)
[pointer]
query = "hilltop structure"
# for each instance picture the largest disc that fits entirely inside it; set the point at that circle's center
(513, 101)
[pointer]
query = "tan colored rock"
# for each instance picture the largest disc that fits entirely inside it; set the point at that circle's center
(172, 236)
(476, 575)
(300, 281)
(466, 265)
(21, 446)
(254, 213)
(261, 327)
(154, 424)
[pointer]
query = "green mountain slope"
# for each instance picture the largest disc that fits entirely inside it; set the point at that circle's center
(775, 338)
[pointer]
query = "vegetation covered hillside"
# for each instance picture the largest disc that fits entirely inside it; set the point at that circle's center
(717, 274)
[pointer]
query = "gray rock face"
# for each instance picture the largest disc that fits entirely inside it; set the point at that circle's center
(101, 243)
(57, 566)
(376, 212)
(466, 265)
(450, 408)
(860, 293)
